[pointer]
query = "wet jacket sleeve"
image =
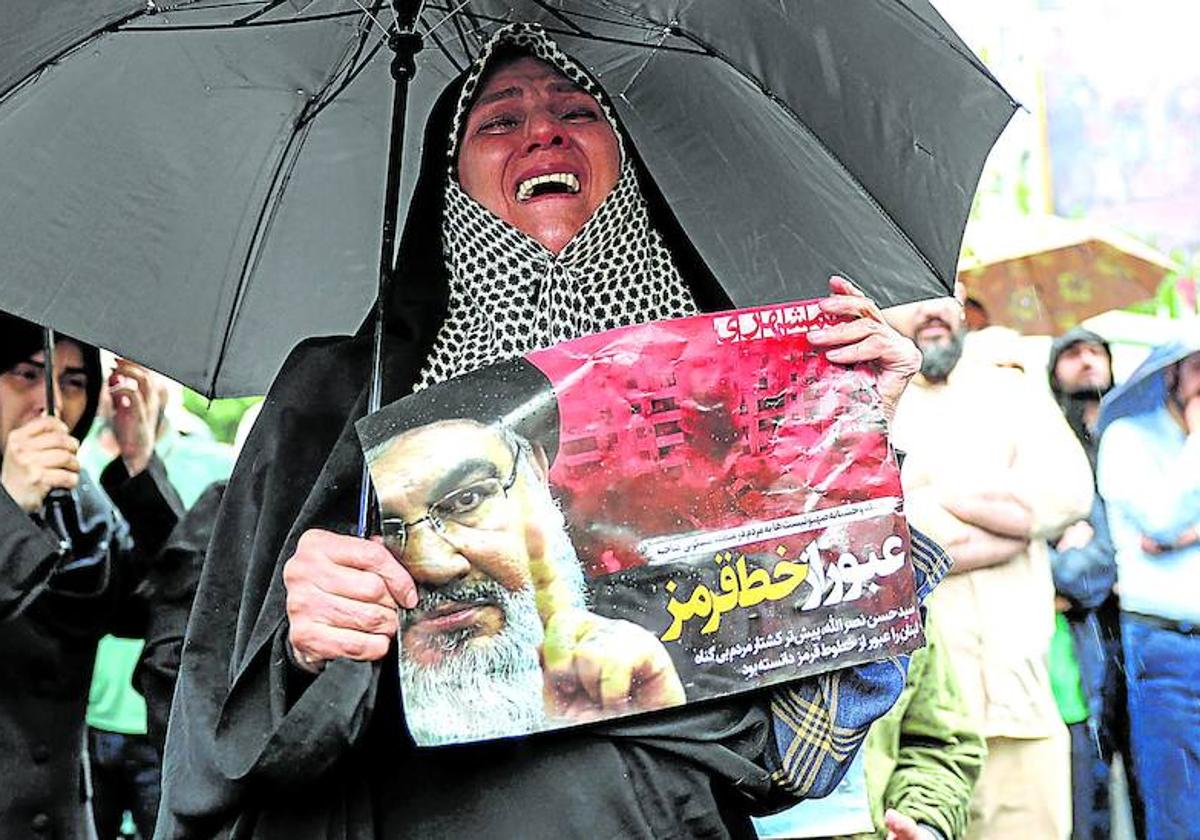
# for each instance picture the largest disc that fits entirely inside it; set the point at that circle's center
(27, 556)
(148, 502)
(87, 592)
(253, 723)
(1086, 575)
(820, 723)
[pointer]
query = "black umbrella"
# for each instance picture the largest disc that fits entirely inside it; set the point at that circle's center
(199, 185)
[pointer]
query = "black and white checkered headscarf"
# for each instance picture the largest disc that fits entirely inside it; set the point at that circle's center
(509, 295)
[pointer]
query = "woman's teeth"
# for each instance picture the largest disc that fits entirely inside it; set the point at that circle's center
(561, 182)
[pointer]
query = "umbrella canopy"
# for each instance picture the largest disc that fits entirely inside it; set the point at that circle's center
(201, 186)
(1146, 390)
(1044, 275)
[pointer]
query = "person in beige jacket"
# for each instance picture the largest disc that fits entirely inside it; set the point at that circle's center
(991, 471)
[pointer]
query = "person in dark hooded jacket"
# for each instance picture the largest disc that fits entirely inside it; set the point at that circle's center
(1083, 564)
(57, 598)
(280, 730)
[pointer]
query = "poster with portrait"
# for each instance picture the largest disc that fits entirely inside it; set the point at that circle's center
(638, 519)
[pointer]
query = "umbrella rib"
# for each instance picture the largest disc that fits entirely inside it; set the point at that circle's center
(279, 178)
(712, 51)
(274, 4)
(967, 56)
(352, 73)
(452, 13)
(666, 33)
(457, 21)
(37, 71)
(623, 18)
(625, 42)
(208, 7)
(386, 32)
(603, 39)
(445, 52)
(463, 36)
(427, 32)
(559, 15)
(215, 27)
(646, 25)
(192, 5)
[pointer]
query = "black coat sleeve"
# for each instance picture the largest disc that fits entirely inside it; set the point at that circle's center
(245, 728)
(28, 553)
(89, 591)
(171, 588)
(148, 501)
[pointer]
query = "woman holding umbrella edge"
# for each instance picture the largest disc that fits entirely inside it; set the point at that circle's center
(270, 703)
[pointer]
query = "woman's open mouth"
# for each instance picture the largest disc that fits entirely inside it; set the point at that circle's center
(551, 183)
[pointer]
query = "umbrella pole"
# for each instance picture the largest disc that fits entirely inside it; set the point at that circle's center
(405, 43)
(56, 508)
(48, 369)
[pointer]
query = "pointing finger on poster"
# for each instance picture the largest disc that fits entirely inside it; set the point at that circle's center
(595, 666)
(554, 594)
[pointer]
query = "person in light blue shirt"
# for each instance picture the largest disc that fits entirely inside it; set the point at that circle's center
(1149, 475)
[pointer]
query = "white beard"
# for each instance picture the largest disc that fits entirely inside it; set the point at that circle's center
(488, 688)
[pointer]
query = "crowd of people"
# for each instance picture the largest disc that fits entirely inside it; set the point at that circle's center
(194, 649)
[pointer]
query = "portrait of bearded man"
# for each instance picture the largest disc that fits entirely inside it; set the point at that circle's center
(532, 222)
(500, 642)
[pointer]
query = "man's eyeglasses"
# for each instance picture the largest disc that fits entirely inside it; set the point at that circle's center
(472, 506)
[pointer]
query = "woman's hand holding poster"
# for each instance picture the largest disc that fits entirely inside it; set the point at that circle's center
(639, 519)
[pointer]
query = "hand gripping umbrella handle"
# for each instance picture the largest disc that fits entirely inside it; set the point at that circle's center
(58, 508)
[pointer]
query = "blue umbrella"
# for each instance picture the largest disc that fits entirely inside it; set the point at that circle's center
(1146, 388)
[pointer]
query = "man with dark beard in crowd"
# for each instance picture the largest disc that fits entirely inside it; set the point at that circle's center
(1084, 568)
(1080, 372)
(992, 471)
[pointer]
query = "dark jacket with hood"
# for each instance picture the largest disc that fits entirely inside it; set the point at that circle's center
(258, 748)
(54, 609)
(1086, 575)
